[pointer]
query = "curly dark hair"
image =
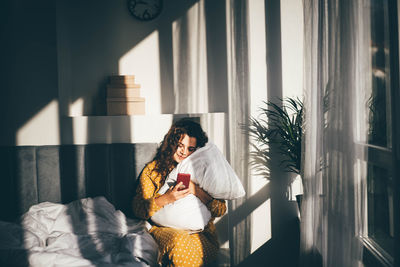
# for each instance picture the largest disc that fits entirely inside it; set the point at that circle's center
(164, 156)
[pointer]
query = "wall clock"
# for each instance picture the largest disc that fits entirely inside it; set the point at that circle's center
(145, 9)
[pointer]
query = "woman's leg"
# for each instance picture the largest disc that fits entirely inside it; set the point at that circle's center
(179, 248)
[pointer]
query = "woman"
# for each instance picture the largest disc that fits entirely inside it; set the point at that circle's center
(177, 247)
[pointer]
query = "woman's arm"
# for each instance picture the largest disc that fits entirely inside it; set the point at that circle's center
(144, 204)
(217, 207)
(146, 201)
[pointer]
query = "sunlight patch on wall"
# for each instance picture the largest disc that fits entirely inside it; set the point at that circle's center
(257, 54)
(76, 108)
(143, 61)
(292, 47)
(261, 217)
(137, 129)
(41, 129)
(261, 225)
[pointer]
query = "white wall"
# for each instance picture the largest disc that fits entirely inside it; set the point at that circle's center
(292, 48)
(59, 55)
(291, 20)
(101, 38)
(97, 39)
(62, 56)
(28, 71)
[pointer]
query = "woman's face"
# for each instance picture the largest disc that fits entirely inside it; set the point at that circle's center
(186, 146)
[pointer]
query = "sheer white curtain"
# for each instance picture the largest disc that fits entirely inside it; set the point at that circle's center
(190, 61)
(239, 110)
(336, 73)
(191, 96)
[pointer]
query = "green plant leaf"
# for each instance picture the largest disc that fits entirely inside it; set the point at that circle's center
(281, 126)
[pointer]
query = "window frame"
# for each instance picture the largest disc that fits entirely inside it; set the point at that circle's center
(388, 158)
(395, 96)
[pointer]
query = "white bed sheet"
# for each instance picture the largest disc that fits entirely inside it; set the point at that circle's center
(86, 232)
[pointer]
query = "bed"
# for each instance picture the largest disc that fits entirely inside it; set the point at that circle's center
(69, 205)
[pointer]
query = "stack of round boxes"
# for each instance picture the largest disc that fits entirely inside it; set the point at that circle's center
(123, 96)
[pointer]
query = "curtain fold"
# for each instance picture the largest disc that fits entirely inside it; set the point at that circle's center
(190, 61)
(335, 73)
(239, 110)
(191, 96)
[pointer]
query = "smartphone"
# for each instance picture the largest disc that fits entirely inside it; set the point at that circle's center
(185, 179)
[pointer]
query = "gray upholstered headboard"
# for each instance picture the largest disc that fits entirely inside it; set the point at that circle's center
(34, 174)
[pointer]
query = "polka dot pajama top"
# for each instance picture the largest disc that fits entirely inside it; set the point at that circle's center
(177, 247)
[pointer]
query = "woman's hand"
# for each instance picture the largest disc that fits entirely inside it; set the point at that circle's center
(172, 195)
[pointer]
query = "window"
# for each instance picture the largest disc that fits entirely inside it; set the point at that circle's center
(380, 205)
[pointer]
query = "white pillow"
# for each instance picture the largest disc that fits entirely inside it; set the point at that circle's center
(211, 171)
(187, 213)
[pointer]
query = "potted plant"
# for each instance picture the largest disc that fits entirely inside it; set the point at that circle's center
(280, 126)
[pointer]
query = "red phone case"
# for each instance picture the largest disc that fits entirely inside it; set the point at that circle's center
(184, 178)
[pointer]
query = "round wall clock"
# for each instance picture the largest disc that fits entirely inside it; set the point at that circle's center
(145, 9)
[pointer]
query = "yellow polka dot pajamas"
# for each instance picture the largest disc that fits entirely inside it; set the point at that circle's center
(177, 247)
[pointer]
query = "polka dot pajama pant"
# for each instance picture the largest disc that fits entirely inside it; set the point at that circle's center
(179, 248)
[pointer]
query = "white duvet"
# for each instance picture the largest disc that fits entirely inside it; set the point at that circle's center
(86, 232)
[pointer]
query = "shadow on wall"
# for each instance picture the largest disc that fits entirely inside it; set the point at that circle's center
(29, 63)
(106, 32)
(282, 251)
(65, 50)
(283, 248)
